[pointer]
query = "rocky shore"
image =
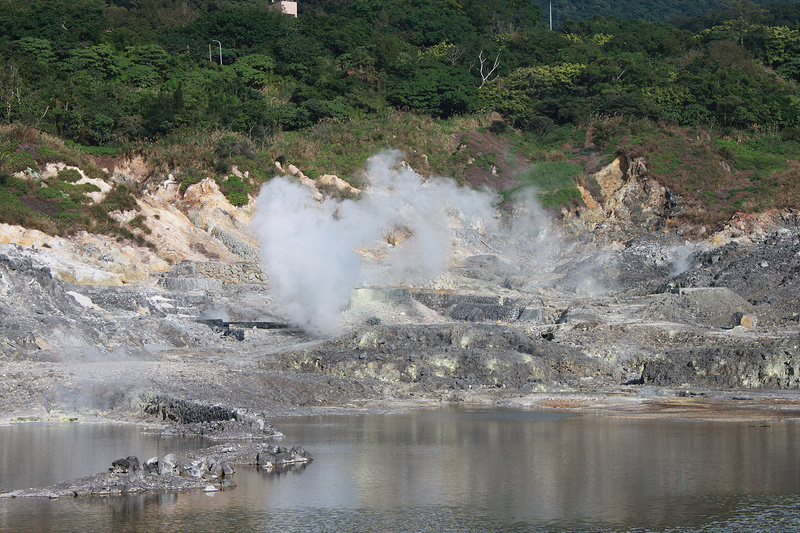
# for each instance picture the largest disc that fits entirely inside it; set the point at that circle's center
(208, 470)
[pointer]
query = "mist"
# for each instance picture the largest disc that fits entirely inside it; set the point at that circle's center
(529, 237)
(309, 248)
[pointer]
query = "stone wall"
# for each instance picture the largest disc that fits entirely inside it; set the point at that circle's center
(238, 272)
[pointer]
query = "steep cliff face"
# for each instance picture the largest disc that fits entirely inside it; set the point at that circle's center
(627, 205)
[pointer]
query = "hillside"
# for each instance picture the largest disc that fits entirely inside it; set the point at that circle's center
(420, 291)
(703, 12)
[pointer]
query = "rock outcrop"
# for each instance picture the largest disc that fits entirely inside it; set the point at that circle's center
(628, 205)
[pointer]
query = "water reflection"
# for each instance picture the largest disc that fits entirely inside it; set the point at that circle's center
(280, 470)
(37, 455)
(479, 470)
(528, 467)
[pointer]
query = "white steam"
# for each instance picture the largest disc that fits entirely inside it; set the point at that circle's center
(530, 238)
(309, 247)
(682, 257)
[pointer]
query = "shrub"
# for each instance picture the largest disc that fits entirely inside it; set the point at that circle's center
(119, 199)
(45, 193)
(188, 181)
(69, 174)
(238, 198)
(21, 161)
(138, 222)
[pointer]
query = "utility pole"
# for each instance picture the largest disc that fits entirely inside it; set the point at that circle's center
(551, 15)
(220, 50)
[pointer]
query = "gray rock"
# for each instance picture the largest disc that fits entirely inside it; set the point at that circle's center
(272, 456)
(244, 250)
(475, 315)
(151, 466)
(532, 314)
(168, 464)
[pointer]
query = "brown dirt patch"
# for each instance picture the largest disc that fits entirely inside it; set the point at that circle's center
(488, 160)
(45, 207)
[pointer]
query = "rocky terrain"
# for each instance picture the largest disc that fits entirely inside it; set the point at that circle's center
(606, 307)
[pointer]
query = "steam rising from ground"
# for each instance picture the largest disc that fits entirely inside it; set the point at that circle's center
(308, 248)
(529, 237)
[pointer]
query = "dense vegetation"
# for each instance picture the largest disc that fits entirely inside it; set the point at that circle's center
(200, 85)
(118, 71)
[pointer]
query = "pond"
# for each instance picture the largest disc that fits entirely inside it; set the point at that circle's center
(465, 470)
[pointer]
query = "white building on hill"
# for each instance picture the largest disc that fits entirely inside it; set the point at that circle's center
(288, 8)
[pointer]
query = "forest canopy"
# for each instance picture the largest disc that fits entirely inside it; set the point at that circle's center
(112, 72)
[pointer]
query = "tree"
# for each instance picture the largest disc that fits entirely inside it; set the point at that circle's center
(442, 92)
(254, 70)
(485, 69)
(10, 88)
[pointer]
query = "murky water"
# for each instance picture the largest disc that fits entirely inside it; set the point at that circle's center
(470, 470)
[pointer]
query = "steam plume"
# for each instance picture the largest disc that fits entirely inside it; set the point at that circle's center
(308, 248)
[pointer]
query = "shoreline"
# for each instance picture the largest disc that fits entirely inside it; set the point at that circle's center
(656, 404)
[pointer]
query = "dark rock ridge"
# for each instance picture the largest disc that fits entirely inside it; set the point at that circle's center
(473, 307)
(765, 363)
(213, 421)
(715, 307)
(236, 329)
(765, 274)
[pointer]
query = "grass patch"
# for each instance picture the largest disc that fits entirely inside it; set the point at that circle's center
(554, 183)
(188, 181)
(109, 151)
(561, 198)
(234, 189)
(70, 175)
(762, 155)
(343, 147)
(551, 176)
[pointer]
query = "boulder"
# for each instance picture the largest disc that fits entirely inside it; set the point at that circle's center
(272, 456)
(168, 464)
(532, 314)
